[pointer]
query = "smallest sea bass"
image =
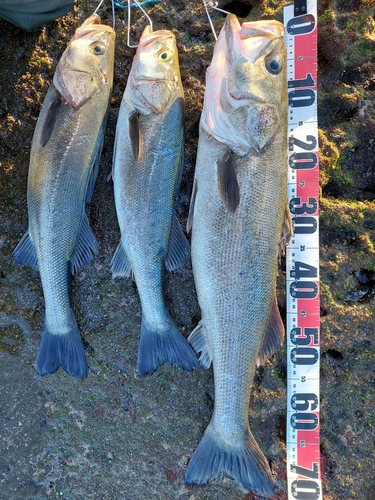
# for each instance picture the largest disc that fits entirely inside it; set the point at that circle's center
(64, 161)
(147, 166)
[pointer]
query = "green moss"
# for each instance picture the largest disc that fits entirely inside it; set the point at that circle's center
(366, 49)
(11, 339)
(327, 18)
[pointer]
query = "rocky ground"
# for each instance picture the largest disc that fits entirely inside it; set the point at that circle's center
(114, 435)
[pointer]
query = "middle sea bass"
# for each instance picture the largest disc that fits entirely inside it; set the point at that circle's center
(240, 222)
(147, 167)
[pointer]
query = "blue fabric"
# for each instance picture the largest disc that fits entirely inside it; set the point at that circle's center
(30, 14)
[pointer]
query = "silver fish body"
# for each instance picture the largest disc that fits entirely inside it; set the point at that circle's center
(147, 166)
(238, 217)
(65, 153)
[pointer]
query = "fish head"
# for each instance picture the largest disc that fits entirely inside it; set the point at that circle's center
(246, 83)
(255, 55)
(154, 80)
(87, 63)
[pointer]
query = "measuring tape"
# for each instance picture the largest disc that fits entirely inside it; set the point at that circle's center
(302, 267)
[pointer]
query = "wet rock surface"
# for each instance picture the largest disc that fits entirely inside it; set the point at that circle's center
(115, 435)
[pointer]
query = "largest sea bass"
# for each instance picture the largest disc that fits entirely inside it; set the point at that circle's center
(239, 220)
(64, 160)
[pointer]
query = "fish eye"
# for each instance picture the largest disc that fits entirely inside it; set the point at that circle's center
(165, 55)
(274, 65)
(97, 48)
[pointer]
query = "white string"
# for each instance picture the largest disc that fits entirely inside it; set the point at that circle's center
(113, 12)
(129, 21)
(214, 6)
(98, 7)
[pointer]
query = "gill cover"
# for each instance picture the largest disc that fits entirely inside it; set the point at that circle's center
(154, 79)
(87, 62)
(245, 84)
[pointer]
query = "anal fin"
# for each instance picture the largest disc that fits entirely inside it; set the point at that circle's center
(274, 335)
(198, 342)
(178, 248)
(86, 247)
(120, 265)
(25, 252)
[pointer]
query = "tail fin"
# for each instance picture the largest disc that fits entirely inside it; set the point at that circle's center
(245, 463)
(163, 344)
(64, 350)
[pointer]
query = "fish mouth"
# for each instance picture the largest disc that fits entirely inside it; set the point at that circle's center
(249, 100)
(265, 28)
(92, 25)
(252, 38)
(149, 36)
(249, 29)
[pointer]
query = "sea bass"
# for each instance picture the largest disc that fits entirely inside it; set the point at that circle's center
(147, 167)
(240, 220)
(65, 153)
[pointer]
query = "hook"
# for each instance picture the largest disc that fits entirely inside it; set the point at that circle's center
(113, 11)
(129, 24)
(213, 5)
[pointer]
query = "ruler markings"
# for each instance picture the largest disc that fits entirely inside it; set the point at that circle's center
(303, 286)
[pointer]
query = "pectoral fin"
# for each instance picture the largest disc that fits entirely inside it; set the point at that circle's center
(50, 121)
(274, 335)
(135, 136)
(227, 181)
